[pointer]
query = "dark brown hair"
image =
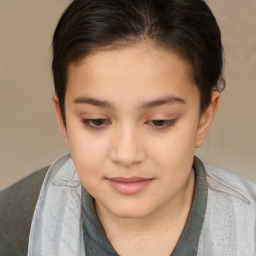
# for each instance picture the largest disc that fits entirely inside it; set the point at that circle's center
(186, 27)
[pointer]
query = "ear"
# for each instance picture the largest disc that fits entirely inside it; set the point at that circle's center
(59, 118)
(206, 119)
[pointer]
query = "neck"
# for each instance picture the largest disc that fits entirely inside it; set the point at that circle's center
(160, 229)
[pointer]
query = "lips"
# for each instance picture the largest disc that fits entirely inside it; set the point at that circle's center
(128, 186)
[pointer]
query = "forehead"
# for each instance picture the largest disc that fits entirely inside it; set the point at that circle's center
(142, 70)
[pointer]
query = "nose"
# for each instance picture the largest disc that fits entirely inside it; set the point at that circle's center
(127, 147)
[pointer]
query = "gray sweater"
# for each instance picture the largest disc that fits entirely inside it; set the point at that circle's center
(17, 204)
(229, 226)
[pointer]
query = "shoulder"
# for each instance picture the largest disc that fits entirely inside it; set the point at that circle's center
(226, 182)
(220, 181)
(17, 203)
(230, 214)
(26, 188)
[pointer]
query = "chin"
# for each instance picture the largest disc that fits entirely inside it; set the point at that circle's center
(130, 211)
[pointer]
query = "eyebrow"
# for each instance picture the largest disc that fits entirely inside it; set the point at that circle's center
(147, 104)
(163, 101)
(92, 101)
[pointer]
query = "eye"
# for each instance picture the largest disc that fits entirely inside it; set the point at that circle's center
(97, 123)
(162, 123)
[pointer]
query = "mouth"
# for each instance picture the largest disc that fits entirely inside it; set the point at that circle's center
(129, 186)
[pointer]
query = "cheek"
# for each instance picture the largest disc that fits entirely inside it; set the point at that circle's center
(88, 151)
(175, 151)
(176, 144)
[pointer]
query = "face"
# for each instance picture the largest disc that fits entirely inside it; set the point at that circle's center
(132, 123)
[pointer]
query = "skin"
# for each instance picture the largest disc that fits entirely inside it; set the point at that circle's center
(128, 90)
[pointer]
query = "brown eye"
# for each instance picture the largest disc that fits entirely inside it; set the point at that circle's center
(96, 123)
(158, 122)
(162, 123)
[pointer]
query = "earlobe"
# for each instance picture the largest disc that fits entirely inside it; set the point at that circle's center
(206, 119)
(59, 118)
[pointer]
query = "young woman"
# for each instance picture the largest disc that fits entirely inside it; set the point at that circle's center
(137, 86)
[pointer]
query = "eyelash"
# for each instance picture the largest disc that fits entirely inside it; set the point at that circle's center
(89, 123)
(164, 124)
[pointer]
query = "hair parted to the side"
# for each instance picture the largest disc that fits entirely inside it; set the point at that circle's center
(185, 27)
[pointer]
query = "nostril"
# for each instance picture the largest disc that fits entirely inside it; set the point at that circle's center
(127, 158)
